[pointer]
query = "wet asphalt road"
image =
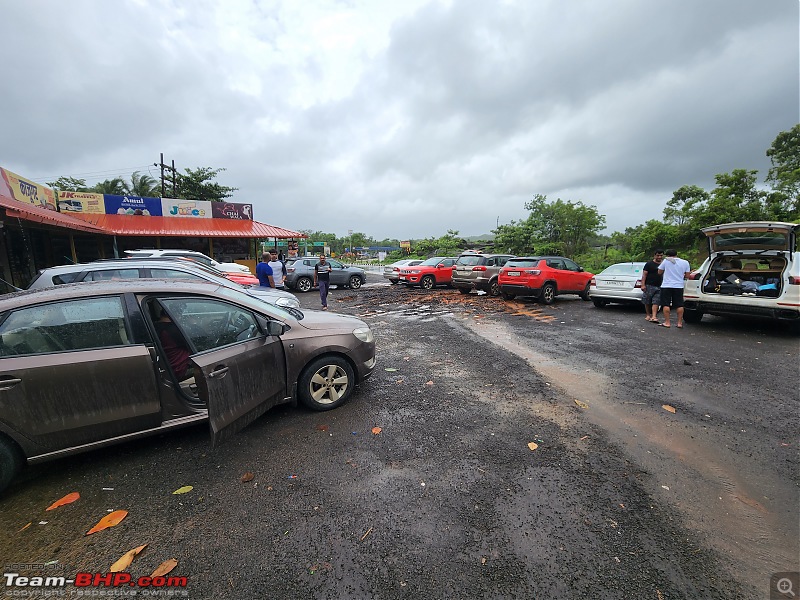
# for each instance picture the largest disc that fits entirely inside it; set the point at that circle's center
(620, 498)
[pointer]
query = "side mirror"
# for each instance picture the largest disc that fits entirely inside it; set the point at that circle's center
(580, 269)
(440, 265)
(270, 326)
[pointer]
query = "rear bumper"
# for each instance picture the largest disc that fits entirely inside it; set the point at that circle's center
(520, 290)
(777, 311)
(471, 284)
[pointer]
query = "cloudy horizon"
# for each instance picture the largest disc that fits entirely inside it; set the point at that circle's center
(403, 119)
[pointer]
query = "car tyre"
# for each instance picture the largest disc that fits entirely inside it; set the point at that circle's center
(599, 302)
(304, 284)
(548, 293)
(494, 288)
(585, 293)
(507, 296)
(394, 281)
(427, 283)
(692, 316)
(11, 461)
(355, 282)
(326, 383)
(464, 291)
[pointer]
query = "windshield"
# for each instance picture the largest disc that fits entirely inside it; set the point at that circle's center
(624, 269)
(523, 262)
(432, 262)
(470, 260)
(257, 304)
(755, 240)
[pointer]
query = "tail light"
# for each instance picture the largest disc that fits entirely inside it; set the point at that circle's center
(794, 280)
(593, 283)
(638, 283)
(695, 275)
(396, 269)
(479, 268)
(533, 271)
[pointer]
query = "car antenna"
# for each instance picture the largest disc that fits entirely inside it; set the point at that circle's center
(15, 288)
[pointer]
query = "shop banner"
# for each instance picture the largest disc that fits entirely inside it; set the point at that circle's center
(81, 202)
(172, 207)
(231, 210)
(25, 190)
(132, 205)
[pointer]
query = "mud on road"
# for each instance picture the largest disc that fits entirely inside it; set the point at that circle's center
(616, 498)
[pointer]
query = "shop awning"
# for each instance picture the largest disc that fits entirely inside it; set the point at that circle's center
(140, 225)
(15, 209)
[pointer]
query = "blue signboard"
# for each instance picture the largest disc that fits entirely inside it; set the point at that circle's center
(132, 205)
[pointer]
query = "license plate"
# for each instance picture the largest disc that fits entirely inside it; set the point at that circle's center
(615, 283)
(513, 273)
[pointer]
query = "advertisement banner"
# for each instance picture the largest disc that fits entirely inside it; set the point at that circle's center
(25, 190)
(81, 202)
(231, 210)
(171, 207)
(132, 205)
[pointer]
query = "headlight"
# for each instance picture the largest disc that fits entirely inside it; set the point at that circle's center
(290, 302)
(364, 334)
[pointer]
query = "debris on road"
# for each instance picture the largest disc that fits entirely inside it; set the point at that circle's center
(68, 499)
(126, 559)
(110, 520)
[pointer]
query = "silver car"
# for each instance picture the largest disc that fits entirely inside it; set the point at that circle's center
(84, 366)
(392, 271)
(146, 268)
(618, 283)
(300, 274)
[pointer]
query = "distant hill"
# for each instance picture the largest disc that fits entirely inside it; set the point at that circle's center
(476, 238)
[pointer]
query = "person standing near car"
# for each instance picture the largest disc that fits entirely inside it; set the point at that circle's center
(674, 271)
(278, 270)
(322, 277)
(651, 286)
(264, 271)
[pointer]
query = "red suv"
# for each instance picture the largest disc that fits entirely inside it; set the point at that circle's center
(429, 273)
(543, 277)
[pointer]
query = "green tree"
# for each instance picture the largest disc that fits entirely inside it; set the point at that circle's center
(143, 185)
(198, 184)
(784, 154)
(114, 187)
(68, 184)
(683, 204)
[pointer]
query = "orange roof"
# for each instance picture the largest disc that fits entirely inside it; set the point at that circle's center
(30, 212)
(185, 226)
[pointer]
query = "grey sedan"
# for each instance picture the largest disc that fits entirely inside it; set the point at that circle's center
(617, 283)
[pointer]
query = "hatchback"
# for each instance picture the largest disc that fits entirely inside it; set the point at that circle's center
(300, 274)
(544, 278)
(475, 271)
(84, 366)
(620, 283)
(752, 269)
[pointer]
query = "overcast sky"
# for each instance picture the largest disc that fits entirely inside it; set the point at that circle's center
(404, 118)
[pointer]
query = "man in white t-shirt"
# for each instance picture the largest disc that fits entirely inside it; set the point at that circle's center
(278, 270)
(674, 271)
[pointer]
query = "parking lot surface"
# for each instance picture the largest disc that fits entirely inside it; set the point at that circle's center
(500, 450)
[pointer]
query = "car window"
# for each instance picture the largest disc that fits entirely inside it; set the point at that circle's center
(65, 278)
(502, 260)
(449, 262)
(623, 269)
(335, 264)
(174, 274)
(112, 275)
(570, 265)
(62, 326)
(556, 263)
(469, 260)
(210, 324)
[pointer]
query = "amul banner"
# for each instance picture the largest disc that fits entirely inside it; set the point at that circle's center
(132, 206)
(25, 190)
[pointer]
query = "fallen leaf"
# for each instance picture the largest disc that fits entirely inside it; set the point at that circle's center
(581, 404)
(126, 559)
(26, 526)
(68, 499)
(376, 430)
(429, 383)
(586, 437)
(533, 445)
(390, 369)
(668, 408)
(110, 520)
(183, 490)
(165, 567)
(322, 428)
(247, 477)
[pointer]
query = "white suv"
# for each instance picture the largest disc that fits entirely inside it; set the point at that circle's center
(752, 269)
(197, 256)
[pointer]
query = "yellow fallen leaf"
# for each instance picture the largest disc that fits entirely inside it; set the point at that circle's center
(26, 526)
(247, 477)
(68, 499)
(668, 408)
(376, 430)
(126, 559)
(110, 520)
(183, 490)
(164, 568)
(533, 445)
(581, 404)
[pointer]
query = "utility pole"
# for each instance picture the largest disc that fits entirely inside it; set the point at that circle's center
(163, 180)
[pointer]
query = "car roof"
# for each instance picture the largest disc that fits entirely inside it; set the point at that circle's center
(486, 254)
(130, 263)
(74, 291)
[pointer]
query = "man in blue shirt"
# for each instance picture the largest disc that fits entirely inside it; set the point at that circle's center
(264, 271)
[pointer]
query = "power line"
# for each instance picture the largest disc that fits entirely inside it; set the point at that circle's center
(95, 174)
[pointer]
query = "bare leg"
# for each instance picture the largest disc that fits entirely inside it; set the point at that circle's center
(666, 316)
(680, 316)
(655, 312)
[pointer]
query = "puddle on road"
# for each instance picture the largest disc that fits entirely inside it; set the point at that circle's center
(736, 520)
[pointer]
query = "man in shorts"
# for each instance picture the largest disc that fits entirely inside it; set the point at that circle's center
(674, 271)
(651, 286)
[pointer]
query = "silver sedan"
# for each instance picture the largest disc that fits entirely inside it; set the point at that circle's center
(618, 283)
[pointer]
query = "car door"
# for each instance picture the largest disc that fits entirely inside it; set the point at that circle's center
(576, 281)
(70, 373)
(240, 370)
(339, 274)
